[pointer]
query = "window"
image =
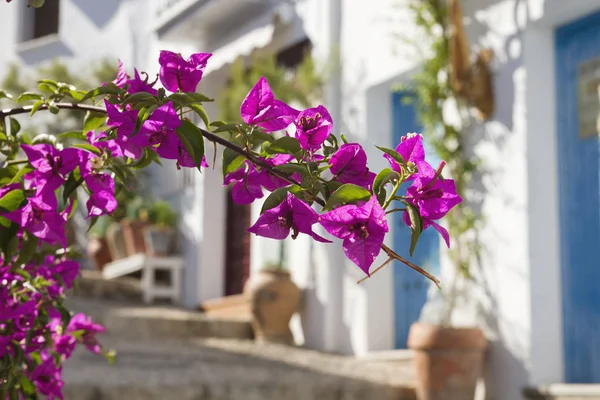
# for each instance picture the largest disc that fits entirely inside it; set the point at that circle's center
(40, 22)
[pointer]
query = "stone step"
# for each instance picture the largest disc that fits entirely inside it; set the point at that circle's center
(562, 391)
(139, 321)
(235, 306)
(218, 369)
(91, 284)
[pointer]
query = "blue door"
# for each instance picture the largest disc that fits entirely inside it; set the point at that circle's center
(410, 287)
(578, 77)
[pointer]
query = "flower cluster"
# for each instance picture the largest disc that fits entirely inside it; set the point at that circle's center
(37, 334)
(354, 197)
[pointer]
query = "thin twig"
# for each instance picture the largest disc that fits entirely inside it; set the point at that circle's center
(393, 254)
(389, 260)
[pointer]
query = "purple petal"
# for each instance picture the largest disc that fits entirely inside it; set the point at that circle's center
(272, 223)
(442, 232)
(363, 251)
(338, 221)
(313, 126)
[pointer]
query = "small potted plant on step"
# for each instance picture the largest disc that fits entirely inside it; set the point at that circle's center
(274, 299)
(159, 235)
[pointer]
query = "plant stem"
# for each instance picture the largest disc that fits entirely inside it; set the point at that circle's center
(239, 150)
(71, 106)
(392, 195)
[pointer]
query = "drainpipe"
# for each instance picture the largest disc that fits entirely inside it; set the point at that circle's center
(335, 282)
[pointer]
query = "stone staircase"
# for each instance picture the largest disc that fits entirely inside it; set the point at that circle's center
(165, 352)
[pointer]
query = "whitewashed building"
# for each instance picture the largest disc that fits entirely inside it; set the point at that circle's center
(540, 305)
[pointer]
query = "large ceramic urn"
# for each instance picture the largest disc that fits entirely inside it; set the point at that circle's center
(274, 299)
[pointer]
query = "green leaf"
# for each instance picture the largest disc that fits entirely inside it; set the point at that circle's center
(110, 88)
(50, 82)
(24, 170)
(285, 145)
(77, 95)
(71, 135)
(143, 115)
(394, 154)
(5, 95)
(15, 126)
(232, 161)
(28, 96)
(198, 109)
(416, 226)
(36, 106)
(88, 147)
(180, 99)
(291, 168)
(26, 385)
(70, 186)
(12, 200)
(28, 249)
(347, 194)
(274, 199)
(217, 124)
(146, 159)
(141, 97)
(93, 120)
(46, 87)
(228, 128)
(383, 177)
(192, 138)
(259, 137)
(199, 97)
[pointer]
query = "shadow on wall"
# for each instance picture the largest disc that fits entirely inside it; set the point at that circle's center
(506, 369)
(51, 48)
(99, 12)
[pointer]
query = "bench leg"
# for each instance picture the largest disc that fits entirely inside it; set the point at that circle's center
(148, 284)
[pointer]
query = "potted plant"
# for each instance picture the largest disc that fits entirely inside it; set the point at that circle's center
(97, 248)
(159, 234)
(274, 298)
(133, 226)
(448, 359)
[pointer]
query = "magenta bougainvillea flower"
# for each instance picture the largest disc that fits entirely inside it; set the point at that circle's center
(262, 109)
(362, 228)
(158, 131)
(125, 143)
(137, 84)
(292, 214)
(246, 184)
(178, 73)
(51, 165)
(349, 165)
(411, 149)
(80, 322)
(313, 126)
(433, 196)
(67, 270)
(122, 76)
(41, 220)
(47, 377)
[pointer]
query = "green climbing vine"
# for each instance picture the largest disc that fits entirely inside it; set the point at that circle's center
(432, 89)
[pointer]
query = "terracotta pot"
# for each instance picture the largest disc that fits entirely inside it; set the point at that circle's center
(133, 236)
(115, 240)
(97, 250)
(274, 299)
(448, 361)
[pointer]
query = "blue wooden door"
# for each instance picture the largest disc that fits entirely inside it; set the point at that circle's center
(577, 71)
(410, 287)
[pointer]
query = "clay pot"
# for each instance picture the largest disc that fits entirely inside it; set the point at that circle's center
(274, 299)
(448, 361)
(133, 236)
(97, 250)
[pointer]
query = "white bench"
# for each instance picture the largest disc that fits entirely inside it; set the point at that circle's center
(148, 265)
